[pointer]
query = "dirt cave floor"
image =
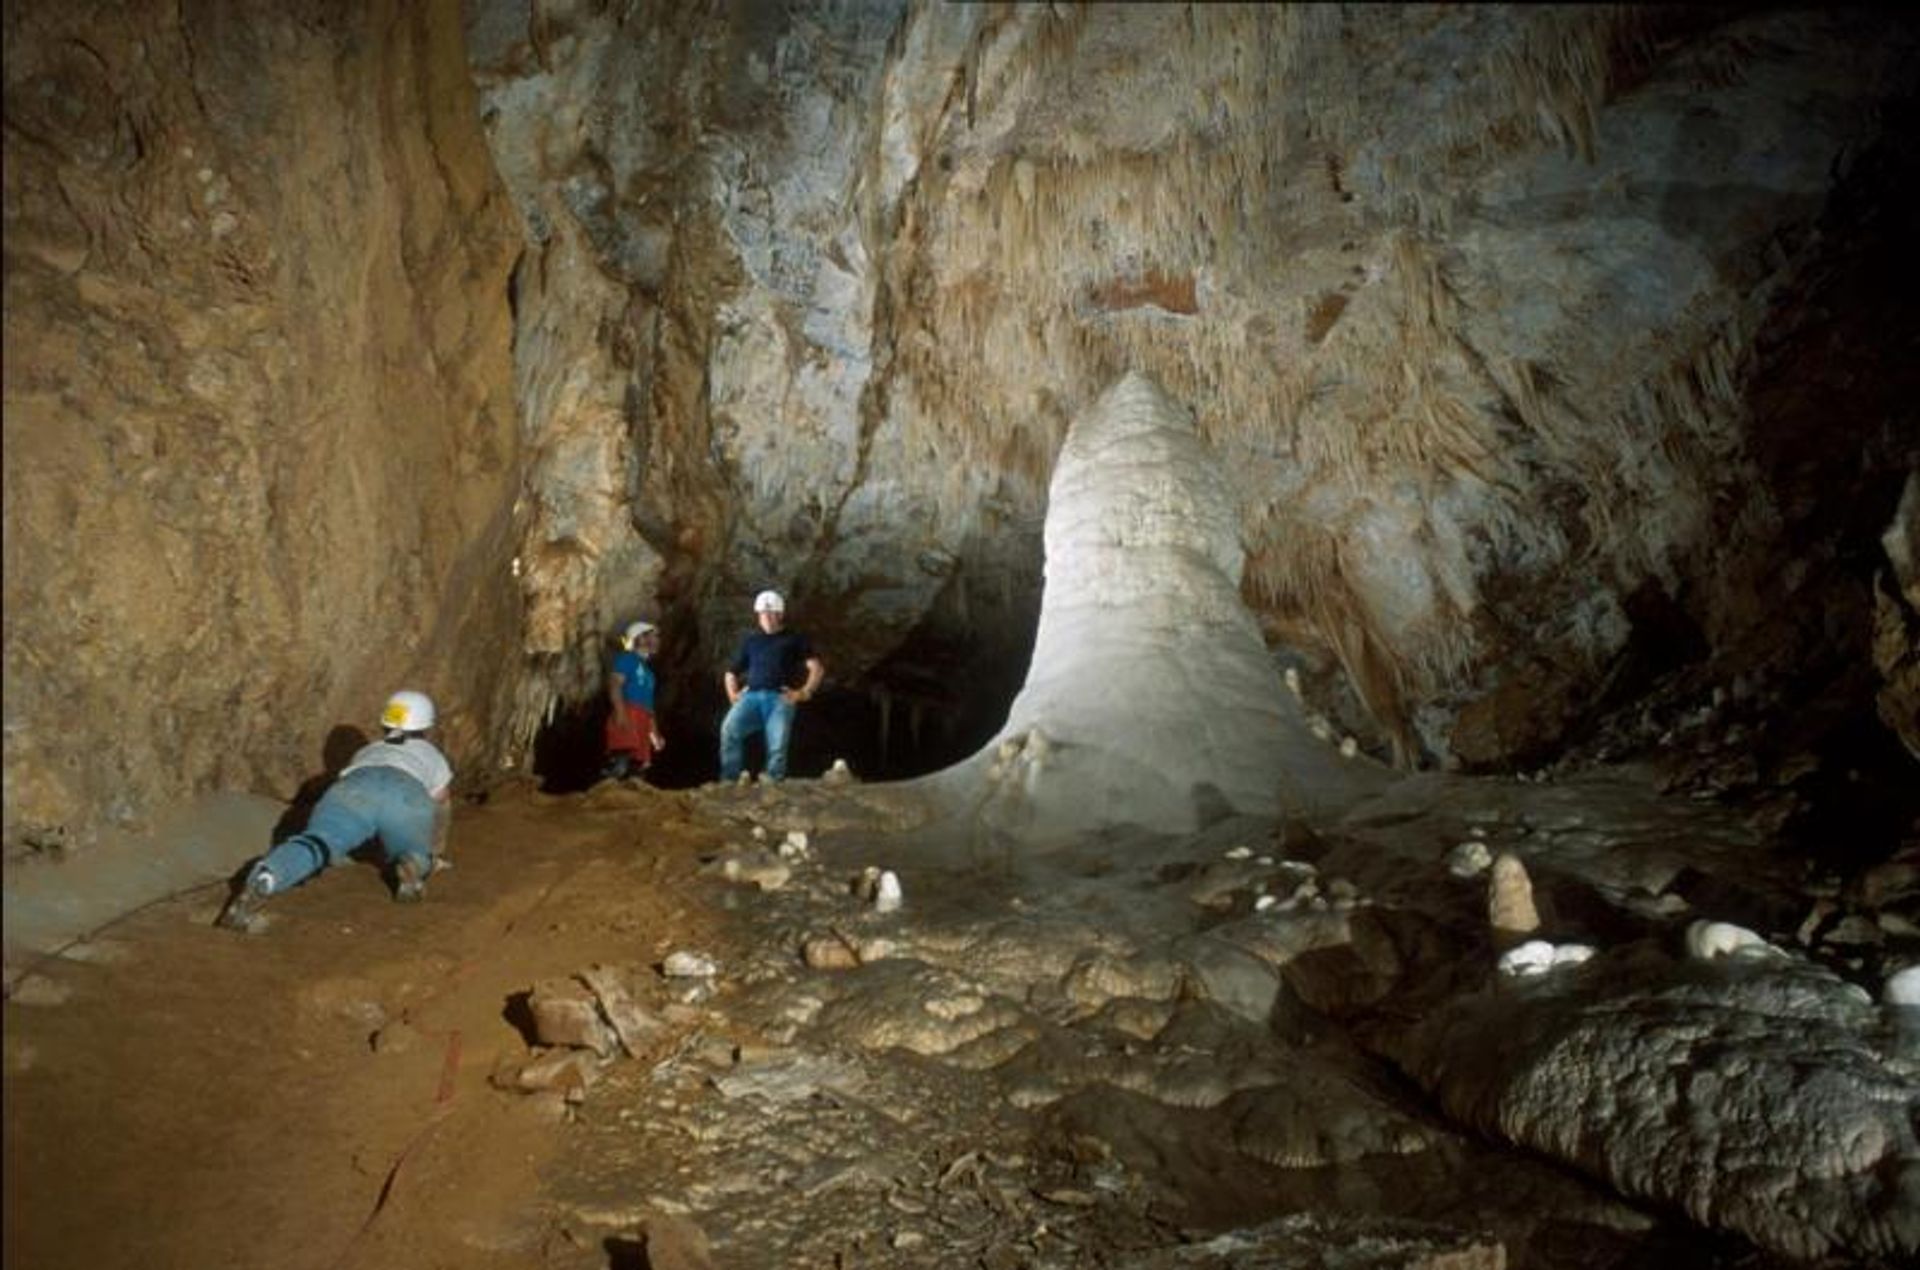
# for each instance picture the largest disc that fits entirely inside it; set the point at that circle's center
(348, 1087)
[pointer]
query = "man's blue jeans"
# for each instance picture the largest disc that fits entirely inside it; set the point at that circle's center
(762, 708)
(382, 802)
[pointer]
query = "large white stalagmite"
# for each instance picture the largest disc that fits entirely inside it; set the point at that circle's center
(1151, 700)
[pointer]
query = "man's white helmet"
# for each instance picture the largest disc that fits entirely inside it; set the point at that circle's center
(634, 631)
(408, 711)
(769, 602)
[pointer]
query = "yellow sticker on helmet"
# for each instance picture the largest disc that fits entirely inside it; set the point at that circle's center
(395, 715)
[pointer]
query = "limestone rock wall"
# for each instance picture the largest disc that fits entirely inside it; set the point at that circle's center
(1475, 305)
(260, 453)
(700, 277)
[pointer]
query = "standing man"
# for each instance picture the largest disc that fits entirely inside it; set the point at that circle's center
(397, 789)
(632, 731)
(774, 671)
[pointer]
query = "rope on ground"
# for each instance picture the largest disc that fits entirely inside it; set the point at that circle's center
(443, 1099)
(532, 908)
(449, 1068)
(386, 1187)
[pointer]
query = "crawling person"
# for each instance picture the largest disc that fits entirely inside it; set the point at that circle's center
(398, 790)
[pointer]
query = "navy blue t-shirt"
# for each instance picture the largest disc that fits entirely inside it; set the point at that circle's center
(773, 661)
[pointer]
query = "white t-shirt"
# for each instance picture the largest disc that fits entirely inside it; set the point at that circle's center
(417, 758)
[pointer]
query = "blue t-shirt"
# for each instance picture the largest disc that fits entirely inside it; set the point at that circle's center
(773, 661)
(636, 679)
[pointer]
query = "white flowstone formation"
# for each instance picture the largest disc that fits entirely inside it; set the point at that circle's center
(1150, 700)
(1776, 1105)
(688, 965)
(1537, 956)
(1531, 958)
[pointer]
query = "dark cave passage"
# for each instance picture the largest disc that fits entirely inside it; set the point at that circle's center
(879, 734)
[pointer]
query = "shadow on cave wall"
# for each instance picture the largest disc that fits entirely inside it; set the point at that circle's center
(343, 742)
(1833, 405)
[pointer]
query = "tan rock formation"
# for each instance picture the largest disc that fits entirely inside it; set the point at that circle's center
(1510, 908)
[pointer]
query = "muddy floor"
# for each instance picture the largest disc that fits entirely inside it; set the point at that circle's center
(1012, 1069)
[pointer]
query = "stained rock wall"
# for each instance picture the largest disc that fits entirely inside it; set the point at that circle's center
(1473, 302)
(259, 422)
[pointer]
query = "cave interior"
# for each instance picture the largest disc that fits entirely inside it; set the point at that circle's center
(1549, 374)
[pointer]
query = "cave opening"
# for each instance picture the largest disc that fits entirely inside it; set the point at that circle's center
(878, 731)
(939, 697)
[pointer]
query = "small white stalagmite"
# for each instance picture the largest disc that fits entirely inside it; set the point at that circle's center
(1902, 988)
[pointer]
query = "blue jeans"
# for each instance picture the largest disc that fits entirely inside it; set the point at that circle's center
(761, 708)
(382, 802)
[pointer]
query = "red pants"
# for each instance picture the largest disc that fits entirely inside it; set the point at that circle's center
(630, 731)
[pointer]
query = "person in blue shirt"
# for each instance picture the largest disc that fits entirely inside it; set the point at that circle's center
(774, 671)
(633, 732)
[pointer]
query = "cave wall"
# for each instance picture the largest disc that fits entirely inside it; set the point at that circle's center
(260, 450)
(697, 355)
(1478, 304)
(351, 345)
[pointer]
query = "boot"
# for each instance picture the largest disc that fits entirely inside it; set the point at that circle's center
(410, 880)
(244, 908)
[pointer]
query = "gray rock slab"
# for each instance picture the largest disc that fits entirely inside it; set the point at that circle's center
(53, 900)
(1771, 1099)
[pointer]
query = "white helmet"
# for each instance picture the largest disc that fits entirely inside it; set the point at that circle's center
(769, 602)
(407, 711)
(634, 631)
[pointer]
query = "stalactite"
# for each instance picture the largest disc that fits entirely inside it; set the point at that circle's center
(1011, 278)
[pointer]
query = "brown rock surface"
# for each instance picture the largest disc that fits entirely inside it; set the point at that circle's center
(260, 442)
